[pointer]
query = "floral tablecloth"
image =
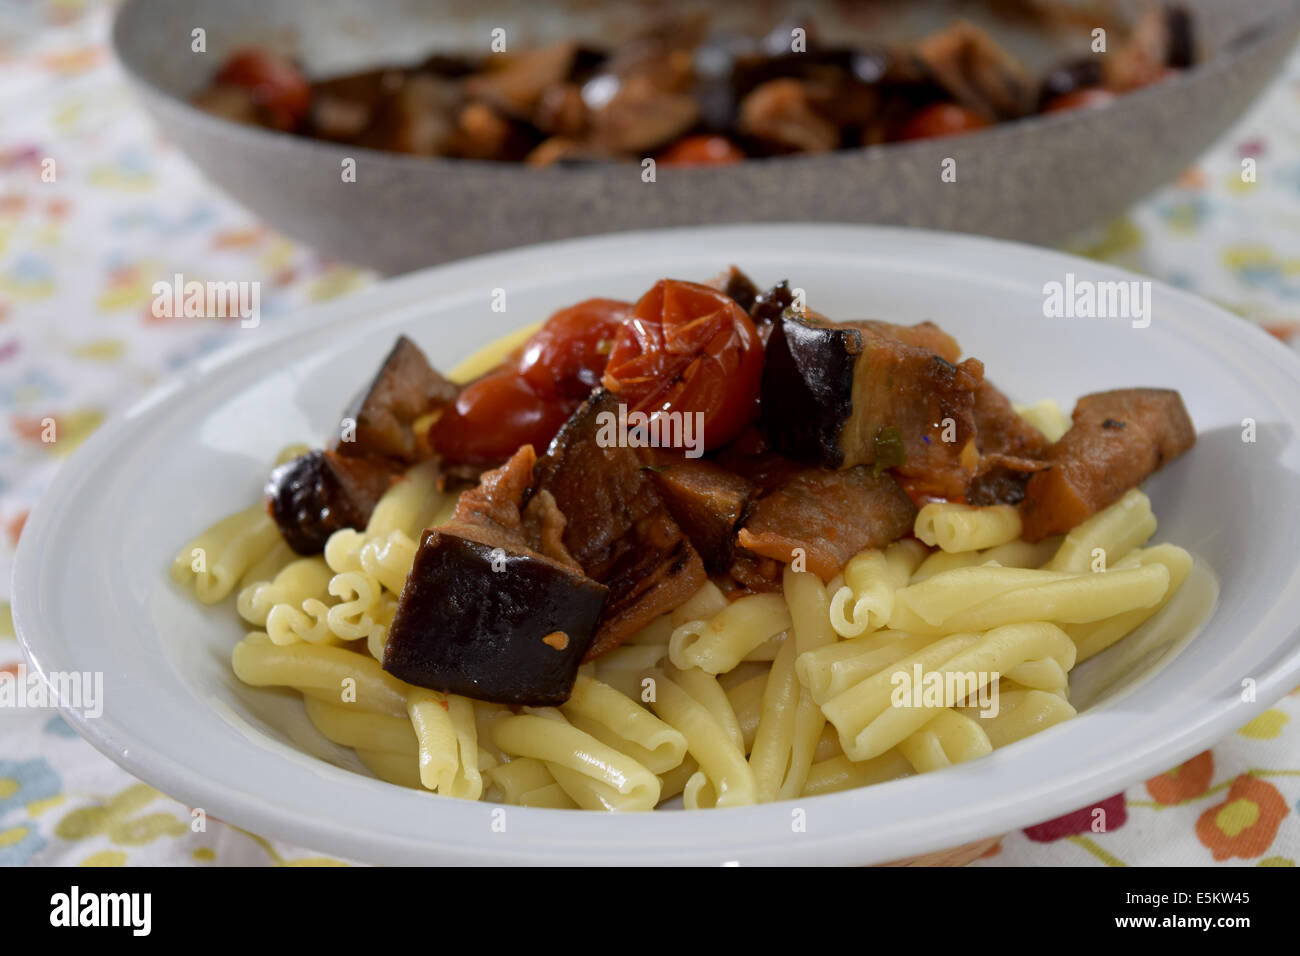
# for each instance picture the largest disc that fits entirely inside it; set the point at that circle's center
(78, 341)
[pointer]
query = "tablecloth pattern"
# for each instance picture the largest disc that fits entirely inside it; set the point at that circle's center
(78, 341)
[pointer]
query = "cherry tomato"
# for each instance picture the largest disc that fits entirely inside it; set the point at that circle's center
(494, 416)
(701, 151)
(941, 119)
(277, 86)
(688, 348)
(1089, 97)
(567, 355)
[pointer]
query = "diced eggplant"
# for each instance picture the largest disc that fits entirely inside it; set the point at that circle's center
(618, 528)
(1010, 448)
(707, 501)
(642, 116)
(418, 118)
(769, 306)
(320, 492)
(495, 607)
(739, 288)
(977, 72)
(924, 335)
(1181, 50)
(505, 626)
(1001, 430)
(1118, 438)
(828, 515)
(342, 108)
(841, 396)
(788, 116)
(405, 387)
(517, 87)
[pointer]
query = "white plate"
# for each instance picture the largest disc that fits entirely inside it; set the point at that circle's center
(91, 590)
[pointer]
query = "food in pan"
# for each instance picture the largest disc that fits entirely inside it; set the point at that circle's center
(710, 543)
(688, 95)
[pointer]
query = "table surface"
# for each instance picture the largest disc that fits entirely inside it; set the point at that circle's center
(78, 342)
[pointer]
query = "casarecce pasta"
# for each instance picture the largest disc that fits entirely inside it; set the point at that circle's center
(787, 663)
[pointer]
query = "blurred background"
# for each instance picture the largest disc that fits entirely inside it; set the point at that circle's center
(110, 181)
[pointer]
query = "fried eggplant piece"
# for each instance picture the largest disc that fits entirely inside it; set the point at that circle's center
(1118, 438)
(618, 528)
(829, 515)
(405, 388)
(492, 608)
(320, 492)
(841, 396)
(706, 500)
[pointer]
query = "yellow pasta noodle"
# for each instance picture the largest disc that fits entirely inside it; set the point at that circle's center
(720, 760)
(353, 727)
(221, 555)
(1110, 534)
(348, 676)
(298, 581)
(720, 643)
(948, 738)
(594, 774)
(616, 720)
(1094, 637)
(957, 527)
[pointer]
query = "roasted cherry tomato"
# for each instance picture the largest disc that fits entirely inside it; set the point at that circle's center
(277, 86)
(941, 119)
(688, 348)
(567, 355)
(1089, 97)
(494, 416)
(701, 151)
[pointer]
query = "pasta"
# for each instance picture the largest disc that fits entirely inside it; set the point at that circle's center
(930, 652)
(957, 527)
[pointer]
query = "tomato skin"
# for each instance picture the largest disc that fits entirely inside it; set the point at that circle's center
(703, 150)
(494, 416)
(276, 84)
(689, 348)
(566, 357)
(941, 119)
(1088, 97)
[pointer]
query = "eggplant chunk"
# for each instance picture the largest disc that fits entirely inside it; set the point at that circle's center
(505, 626)
(618, 527)
(1118, 438)
(405, 387)
(739, 288)
(320, 492)
(846, 395)
(707, 501)
(830, 516)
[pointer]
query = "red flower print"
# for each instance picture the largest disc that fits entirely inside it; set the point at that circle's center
(1081, 821)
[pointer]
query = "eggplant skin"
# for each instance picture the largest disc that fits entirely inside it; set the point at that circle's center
(405, 387)
(807, 393)
(312, 496)
(466, 625)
